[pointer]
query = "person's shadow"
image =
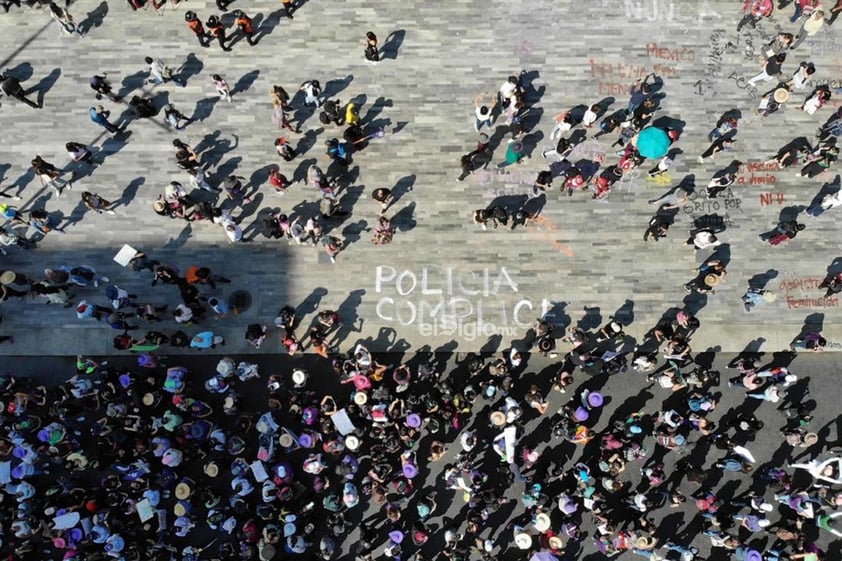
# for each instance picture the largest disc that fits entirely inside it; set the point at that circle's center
(392, 44)
(75, 216)
(404, 220)
(22, 71)
(334, 87)
(45, 85)
(94, 18)
(192, 66)
(129, 192)
(245, 81)
(204, 108)
(832, 188)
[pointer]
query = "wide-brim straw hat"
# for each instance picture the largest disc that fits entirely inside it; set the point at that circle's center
(781, 95)
(352, 443)
(211, 469)
(645, 542)
(542, 522)
(556, 542)
(183, 491)
(360, 398)
(523, 540)
(498, 418)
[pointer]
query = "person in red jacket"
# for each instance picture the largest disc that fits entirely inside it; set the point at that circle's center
(804, 8)
(245, 24)
(195, 25)
(755, 10)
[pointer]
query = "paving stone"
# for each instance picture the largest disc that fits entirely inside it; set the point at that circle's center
(580, 252)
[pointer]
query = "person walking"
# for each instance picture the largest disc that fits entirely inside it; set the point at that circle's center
(383, 197)
(50, 175)
(78, 152)
(372, 53)
(289, 7)
(100, 85)
(245, 25)
(771, 70)
(100, 116)
(176, 118)
(514, 153)
(11, 87)
(785, 230)
(160, 73)
(195, 25)
(484, 105)
(64, 19)
(809, 27)
(96, 203)
(755, 10)
(221, 87)
(234, 188)
(312, 90)
(216, 29)
(722, 143)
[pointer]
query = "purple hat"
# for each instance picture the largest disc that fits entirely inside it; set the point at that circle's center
(305, 440)
(125, 379)
(753, 555)
(396, 536)
(410, 471)
(413, 420)
(581, 414)
(595, 399)
(19, 452)
(17, 472)
(43, 435)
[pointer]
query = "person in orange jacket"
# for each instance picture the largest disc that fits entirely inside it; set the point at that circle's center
(195, 25)
(245, 24)
(216, 29)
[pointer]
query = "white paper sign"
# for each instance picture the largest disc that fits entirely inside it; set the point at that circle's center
(125, 255)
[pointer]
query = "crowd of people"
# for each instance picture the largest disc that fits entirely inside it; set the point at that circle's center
(159, 459)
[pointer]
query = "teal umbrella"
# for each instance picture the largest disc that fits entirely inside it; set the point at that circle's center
(653, 142)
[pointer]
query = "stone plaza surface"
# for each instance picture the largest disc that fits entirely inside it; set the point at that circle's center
(579, 256)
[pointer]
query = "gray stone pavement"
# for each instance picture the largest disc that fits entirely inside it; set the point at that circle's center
(579, 253)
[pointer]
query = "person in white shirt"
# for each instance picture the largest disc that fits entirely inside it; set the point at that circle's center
(183, 314)
(802, 75)
(591, 115)
(484, 105)
(160, 73)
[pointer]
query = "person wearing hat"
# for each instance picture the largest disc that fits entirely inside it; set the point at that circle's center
(522, 539)
(710, 274)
